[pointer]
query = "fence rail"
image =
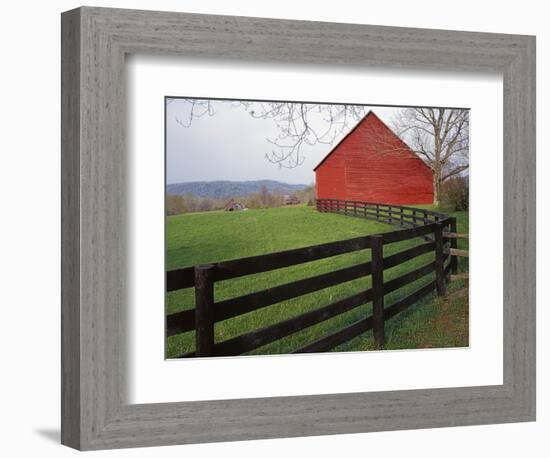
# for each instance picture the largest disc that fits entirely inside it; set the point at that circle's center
(385, 213)
(432, 226)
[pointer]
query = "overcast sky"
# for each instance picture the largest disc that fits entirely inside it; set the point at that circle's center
(231, 145)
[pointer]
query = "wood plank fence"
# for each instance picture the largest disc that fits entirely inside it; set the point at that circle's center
(431, 226)
(385, 213)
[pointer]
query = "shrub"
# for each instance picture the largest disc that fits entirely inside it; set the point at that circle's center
(456, 193)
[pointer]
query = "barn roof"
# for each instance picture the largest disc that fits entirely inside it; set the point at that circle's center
(373, 114)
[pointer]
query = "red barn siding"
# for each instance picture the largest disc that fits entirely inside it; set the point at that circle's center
(372, 164)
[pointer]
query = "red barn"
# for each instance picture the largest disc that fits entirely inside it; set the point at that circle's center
(371, 163)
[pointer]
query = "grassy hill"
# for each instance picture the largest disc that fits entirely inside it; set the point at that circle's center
(215, 236)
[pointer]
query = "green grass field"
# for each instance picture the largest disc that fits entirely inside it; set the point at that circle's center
(198, 238)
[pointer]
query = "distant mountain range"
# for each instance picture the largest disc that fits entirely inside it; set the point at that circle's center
(226, 189)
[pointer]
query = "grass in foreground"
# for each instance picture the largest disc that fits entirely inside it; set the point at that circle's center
(200, 238)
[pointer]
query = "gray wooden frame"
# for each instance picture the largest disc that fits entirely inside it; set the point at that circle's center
(95, 413)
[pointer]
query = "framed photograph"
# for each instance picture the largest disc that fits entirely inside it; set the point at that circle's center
(285, 228)
(233, 214)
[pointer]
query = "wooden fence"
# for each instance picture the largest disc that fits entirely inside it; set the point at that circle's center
(385, 213)
(422, 223)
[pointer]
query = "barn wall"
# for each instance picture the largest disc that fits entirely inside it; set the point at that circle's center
(373, 164)
(331, 178)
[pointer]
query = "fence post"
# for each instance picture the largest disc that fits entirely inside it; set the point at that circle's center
(204, 310)
(454, 244)
(439, 258)
(377, 275)
(377, 212)
(401, 216)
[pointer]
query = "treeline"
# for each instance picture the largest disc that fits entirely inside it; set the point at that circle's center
(306, 195)
(176, 205)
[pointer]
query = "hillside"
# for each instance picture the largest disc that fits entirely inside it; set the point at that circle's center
(225, 189)
(209, 237)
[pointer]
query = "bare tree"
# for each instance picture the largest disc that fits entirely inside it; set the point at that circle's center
(265, 197)
(438, 135)
(303, 124)
(196, 109)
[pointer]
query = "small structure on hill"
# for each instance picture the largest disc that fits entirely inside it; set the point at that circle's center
(371, 163)
(234, 206)
(292, 200)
